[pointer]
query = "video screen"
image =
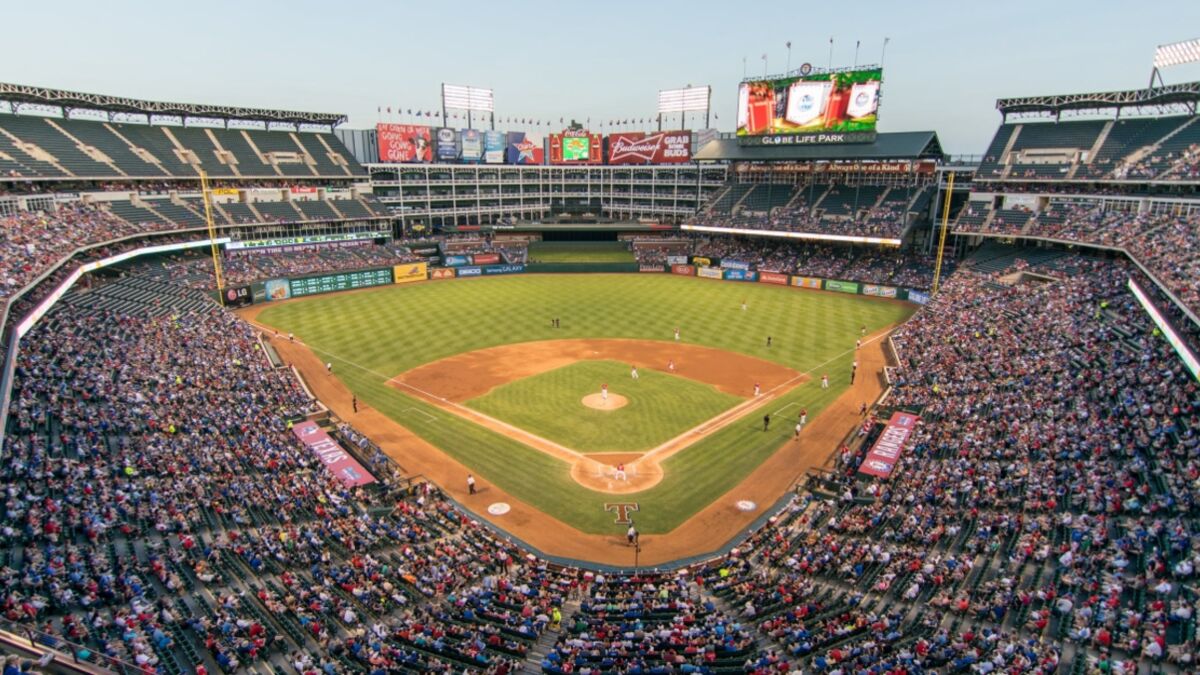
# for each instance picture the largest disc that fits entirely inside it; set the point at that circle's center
(576, 148)
(838, 107)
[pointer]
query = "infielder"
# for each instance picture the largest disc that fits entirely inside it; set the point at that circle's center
(633, 372)
(757, 389)
(677, 334)
(825, 381)
(671, 365)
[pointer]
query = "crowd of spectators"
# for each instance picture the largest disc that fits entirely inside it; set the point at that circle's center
(249, 265)
(1168, 244)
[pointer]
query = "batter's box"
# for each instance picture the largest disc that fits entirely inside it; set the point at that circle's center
(427, 416)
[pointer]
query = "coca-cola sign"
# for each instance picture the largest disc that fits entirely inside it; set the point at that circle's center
(664, 147)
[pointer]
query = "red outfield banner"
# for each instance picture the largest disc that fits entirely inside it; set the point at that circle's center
(685, 270)
(485, 258)
(636, 147)
(335, 458)
(404, 143)
(882, 457)
(773, 278)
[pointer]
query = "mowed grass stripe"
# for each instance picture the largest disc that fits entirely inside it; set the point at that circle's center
(385, 332)
(660, 406)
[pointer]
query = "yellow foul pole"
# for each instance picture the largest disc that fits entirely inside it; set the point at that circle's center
(212, 238)
(937, 268)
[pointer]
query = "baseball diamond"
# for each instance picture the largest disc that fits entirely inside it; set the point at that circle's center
(501, 402)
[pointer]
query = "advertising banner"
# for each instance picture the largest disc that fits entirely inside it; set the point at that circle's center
(471, 141)
(734, 264)
(576, 146)
(237, 296)
(702, 261)
(829, 107)
(677, 260)
(456, 260)
(447, 144)
(278, 289)
(773, 278)
(841, 286)
(470, 271)
(335, 458)
(666, 147)
(807, 282)
(404, 143)
(410, 272)
(441, 273)
(650, 268)
(882, 456)
(919, 297)
(493, 147)
(485, 258)
(879, 291)
(740, 275)
(503, 269)
(220, 191)
(709, 272)
(523, 148)
(868, 168)
(685, 270)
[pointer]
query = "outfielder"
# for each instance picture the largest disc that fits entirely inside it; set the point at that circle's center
(633, 372)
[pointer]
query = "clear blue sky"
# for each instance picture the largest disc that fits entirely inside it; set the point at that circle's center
(946, 62)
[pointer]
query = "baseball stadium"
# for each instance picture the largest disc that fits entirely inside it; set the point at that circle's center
(466, 388)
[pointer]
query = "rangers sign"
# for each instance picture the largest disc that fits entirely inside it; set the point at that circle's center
(666, 147)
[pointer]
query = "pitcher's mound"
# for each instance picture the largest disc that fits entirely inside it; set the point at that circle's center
(596, 401)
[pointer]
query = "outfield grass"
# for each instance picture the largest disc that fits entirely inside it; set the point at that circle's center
(374, 335)
(660, 406)
(580, 252)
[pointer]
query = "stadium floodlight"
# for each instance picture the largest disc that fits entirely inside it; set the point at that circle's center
(1177, 54)
(683, 100)
(459, 97)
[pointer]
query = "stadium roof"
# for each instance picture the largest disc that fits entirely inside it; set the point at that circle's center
(19, 93)
(896, 145)
(1175, 95)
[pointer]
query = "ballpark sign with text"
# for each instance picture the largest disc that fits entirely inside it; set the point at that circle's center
(882, 457)
(667, 147)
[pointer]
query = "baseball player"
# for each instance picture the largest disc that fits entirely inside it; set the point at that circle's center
(825, 381)
(329, 367)
(757, 389)
(864, 330)
(620, 472)
(853, 370)
(857, 345)
(604, 392)
(677, 334)
(633, 372)
(803, 416)
(799, 428)
(743, 304)
(671, 365)
(470, 484)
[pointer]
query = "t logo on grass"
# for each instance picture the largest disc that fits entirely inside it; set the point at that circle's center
(622, 510)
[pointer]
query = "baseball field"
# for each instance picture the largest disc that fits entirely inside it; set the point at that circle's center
(478, 369)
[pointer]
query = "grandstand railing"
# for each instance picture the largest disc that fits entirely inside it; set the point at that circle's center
(14, 636)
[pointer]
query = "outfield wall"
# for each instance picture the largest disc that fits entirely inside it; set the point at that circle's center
(698, 266)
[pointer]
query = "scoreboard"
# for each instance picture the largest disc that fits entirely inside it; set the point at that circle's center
(328, 283)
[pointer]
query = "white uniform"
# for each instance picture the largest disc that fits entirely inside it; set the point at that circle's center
(633, 372)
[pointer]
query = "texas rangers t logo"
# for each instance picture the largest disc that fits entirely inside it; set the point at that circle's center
(622, 510)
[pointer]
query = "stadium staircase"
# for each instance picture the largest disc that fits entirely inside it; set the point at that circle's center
(1094, 151)
(545, 641)
(1003, 157)
(1141, 153)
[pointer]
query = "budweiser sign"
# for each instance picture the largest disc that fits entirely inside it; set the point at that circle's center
(667, 147)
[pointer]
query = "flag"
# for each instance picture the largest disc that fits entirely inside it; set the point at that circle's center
(764, 57)
(379, 110)
(788, 44)
(389, 110)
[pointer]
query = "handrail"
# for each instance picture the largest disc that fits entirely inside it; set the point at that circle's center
(15, 635)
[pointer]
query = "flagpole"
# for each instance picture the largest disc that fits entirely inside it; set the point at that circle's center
(789, 58)
(884, 52)
(743, 67)
(857, 44)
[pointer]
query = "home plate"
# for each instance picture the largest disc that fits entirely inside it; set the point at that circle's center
(499, 509)
(746, 505)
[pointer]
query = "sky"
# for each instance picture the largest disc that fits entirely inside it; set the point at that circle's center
(945, 64)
